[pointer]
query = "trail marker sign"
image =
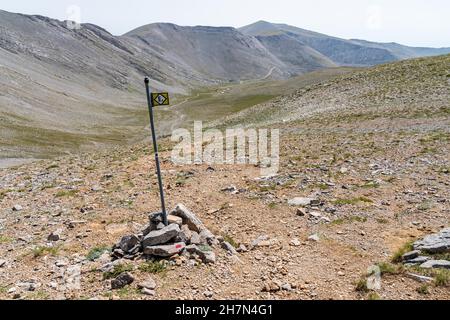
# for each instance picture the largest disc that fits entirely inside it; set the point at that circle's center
(157, 99)
(160, 99)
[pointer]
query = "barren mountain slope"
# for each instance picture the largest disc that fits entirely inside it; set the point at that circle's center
(372, 161)
(341, 51)
(412, 88)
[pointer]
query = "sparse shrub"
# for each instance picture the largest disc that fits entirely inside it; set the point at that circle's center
(5, 239)
(423, 289)
(349, 220)
(66, 193)
(353, 201)
(373, 296)
(118, 270)
(388, 268)
(272, 205)
(397, 258)
(361, 285)
(442, 278)
(42, 251)
(96, 253)
(230, 240)
(153, 267)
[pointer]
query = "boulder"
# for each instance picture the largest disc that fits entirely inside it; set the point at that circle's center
(122, 280)
(417, 260)
(206, 237)
(436, 264)
(186, 233)
(175, 220)
(435, 243)
(194, 223)
(204, 252)
(229, 248)
(149, 284)
(148, 292)
(314, 237)
(258, 241)
(195, 238)
(54, 236)
(165, 251)
(163, 236)
(17, 207)
(302, 202)
(411, 255)
(130, 244)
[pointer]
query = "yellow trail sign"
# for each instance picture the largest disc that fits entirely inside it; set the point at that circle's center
(160, 99)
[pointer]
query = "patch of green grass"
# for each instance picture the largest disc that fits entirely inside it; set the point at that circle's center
(181, 180)
(388, 268)
(118, 270)
(47, 186)
(3, 193)
(272, 205)
(66, 193)
(407, 247)
(153, 267)
(382, 221)
(352, 201)
(5, 239)
(371, 184)
(230, 240)
(425, 206)
(268, 187)
(43, 251)
(321, 186)
(342, 221)
(39, 295)
(423, 289)
(442, 278)
(126, 292)
(205, 248)
(96, 252)
(361, 285)
(373, 296)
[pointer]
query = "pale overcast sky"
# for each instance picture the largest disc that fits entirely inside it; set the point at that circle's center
(411, 22)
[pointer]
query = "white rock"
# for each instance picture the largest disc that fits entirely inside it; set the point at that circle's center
(149, 284)
(17, 207)
(300, 201)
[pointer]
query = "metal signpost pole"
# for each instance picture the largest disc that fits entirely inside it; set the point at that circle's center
(155, 147)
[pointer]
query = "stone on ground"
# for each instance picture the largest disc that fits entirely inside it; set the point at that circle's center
(436, 264)
(130, 244)
(17, 207)
(302, 202)
(122, 280)
(163, 236)
(171, 219)
(165, 251)
(204, 252)
(194, 223)
(228, 247)
(149, 284)
(411, 255)
(435, 243)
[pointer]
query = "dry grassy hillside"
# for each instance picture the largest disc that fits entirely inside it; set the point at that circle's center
(370, 149)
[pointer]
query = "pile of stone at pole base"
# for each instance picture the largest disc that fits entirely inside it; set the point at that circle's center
(185, 235)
